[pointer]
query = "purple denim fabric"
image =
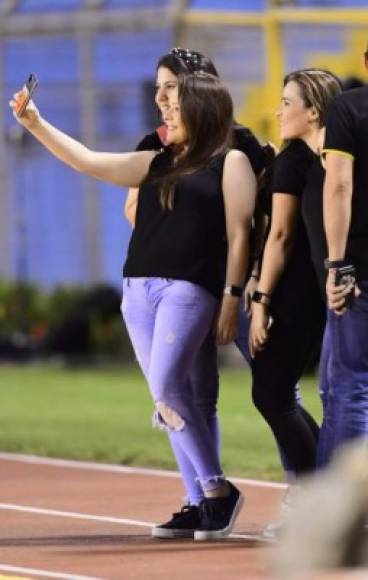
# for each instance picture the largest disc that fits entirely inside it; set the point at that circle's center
(168, 321)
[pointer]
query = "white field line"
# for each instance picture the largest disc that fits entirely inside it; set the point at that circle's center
(44, 573)
(71, 464)
(75, 515)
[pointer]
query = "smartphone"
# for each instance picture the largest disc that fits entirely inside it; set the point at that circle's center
(30, 86)
(343, 277)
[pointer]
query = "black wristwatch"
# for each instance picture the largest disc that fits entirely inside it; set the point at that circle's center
(261, 298)
(331, 264)
(233, 291)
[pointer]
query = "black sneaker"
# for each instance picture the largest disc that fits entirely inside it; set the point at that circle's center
(181, 525)
(218, 515)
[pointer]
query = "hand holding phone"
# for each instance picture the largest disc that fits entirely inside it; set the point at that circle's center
(26, 94)
(346, 276)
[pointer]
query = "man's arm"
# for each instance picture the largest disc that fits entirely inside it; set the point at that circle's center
(337, 199)
(337, 196)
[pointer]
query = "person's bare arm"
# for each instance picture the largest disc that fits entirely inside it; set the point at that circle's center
(239, 188)
(285, 213)
(122, 169)
(337, 198)
(130, 206)
(260, 227)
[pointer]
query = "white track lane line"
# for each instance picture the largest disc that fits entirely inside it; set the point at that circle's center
(44, 573)
(69, 463)
(75, 515)
(32, 459)
(109, 519)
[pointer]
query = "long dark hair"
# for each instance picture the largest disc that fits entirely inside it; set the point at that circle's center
(206, 111)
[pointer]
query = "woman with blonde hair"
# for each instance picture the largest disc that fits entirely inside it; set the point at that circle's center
(287, 308)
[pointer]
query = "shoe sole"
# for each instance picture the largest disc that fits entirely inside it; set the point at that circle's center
(270, 536)
(219, 534)
(171, 534)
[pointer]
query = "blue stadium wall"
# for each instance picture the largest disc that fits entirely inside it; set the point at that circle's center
(48, 217)
(48, 220)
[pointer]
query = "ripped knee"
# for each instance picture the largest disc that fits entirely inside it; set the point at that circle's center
(166, 417)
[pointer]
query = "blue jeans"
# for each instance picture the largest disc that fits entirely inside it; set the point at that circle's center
(345, 377)
(324, 436)
(168, 321)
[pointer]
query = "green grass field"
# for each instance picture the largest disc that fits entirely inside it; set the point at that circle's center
(105, 415)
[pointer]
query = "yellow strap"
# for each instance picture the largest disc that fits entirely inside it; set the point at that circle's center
(343, 153)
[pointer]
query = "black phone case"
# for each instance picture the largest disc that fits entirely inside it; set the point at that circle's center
(31, 85)
(344, 276)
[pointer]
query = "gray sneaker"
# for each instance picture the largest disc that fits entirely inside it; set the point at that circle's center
(274, 530)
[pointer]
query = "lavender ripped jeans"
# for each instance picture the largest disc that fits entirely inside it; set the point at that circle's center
(168, 322)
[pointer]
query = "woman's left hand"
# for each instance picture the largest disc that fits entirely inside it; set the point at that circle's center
(227, 322)
(250, 287)
(260, 325)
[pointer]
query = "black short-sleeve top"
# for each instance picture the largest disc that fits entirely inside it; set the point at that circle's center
(297, 288)
(150, 142)
(347, 133)
(245, 141)
(187, 242)
(312, 213)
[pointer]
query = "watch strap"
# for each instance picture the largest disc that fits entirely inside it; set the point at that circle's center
(331, 264)
(233, 291)
(261, 298)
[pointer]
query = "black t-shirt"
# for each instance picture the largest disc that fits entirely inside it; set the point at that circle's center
(297, 292)
(347, 133)
(312, 213)
(151, 142)
(188, 242)
(244, 140)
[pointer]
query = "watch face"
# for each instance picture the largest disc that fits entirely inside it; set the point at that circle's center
(233, 291)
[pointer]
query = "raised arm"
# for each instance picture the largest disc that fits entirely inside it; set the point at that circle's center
(239, 188)
(122, 169)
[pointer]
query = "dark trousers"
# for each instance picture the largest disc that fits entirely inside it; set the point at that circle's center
(344, 377)
(276, 370)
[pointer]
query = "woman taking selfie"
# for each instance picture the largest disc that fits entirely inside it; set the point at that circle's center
(204, 376)
(174, 289)
(204, 373)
